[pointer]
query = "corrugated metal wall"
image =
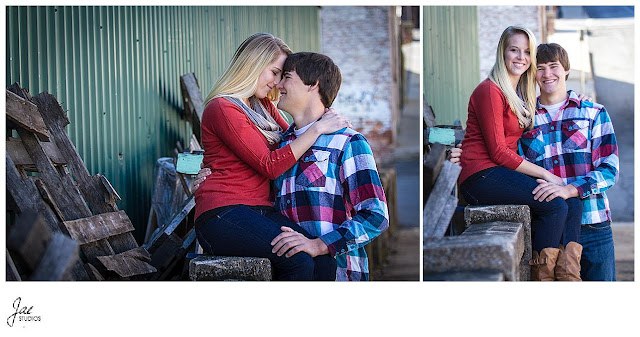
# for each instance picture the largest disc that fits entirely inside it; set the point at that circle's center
(451, 61)
(116, 71)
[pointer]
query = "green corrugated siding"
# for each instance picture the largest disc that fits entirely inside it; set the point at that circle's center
(116, 70)
(451, 60)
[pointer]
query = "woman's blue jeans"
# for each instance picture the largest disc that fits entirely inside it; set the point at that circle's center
(244, 231)
(552, 223)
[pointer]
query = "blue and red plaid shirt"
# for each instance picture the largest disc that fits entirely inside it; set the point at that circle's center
(334, 192)
(578, 145)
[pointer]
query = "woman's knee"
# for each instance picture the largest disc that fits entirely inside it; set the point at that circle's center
(574, 205)
(557, 208)
(300, 260)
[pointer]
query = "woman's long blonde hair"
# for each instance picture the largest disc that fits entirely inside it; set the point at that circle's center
(240, 79)
(522, 100)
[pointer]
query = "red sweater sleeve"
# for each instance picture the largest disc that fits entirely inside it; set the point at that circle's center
(241, 136)
(490, 108)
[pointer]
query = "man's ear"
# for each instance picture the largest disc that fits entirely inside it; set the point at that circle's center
(314, 86)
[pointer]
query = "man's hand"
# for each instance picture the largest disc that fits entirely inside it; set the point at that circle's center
(292, 242)
(547, 191)
(455, 155)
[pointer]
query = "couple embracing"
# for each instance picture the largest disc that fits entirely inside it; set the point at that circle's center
(307, 196)
(557, 154)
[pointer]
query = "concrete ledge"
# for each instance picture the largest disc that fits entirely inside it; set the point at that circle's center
(225, 268)
(481, 276)
(495, 246)
(510, 213)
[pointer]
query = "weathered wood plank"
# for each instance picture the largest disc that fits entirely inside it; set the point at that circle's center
(168, 228)
(26, 196)
(194, 144)
(21, 157)
(164, 255)
(58, 260)
(432, 166)
(129, 263)
(99, 226)
(28, 239)
(92, 189)
(61, 187)
(445, 218)
(428, 116)
(25, 114)
(440, 195)
(192, 101)
(12, 271)
(93, 272)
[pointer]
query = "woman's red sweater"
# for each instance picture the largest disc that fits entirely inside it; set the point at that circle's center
(492, 132)
(241, 160)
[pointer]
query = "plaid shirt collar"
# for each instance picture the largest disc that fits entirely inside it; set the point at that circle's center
(572, 100)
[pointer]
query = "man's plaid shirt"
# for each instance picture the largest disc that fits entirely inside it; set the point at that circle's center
(334, 192)
(579, 146)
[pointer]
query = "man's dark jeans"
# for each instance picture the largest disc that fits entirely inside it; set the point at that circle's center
(244, 231)
(598, 261)
(552, 223)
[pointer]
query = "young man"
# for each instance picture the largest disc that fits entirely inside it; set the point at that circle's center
(334, 191)
(574, 140)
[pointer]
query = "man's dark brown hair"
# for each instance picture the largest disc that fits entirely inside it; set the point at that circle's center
(315, 68)
(552, 52)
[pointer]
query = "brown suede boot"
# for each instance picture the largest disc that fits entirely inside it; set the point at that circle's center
(568, 265)
(543, 265)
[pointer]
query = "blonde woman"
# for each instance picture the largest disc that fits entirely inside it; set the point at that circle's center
(240, 132)
(500, 109)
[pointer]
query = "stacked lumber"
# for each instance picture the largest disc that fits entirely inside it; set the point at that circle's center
(46, 176)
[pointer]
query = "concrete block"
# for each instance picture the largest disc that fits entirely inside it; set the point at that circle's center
(509, 213)
(493, 247)
(478, 276)
(226, 268)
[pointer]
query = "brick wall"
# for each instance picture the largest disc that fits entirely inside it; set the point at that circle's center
(359, 41)
(492, 20)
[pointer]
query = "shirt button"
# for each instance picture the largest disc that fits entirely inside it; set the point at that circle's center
(552, 128)
(555, 161)
(288, 201)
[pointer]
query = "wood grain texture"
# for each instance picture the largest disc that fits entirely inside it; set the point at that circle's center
(25, 114)
(58, 260)
(129, 263)
(99, 226)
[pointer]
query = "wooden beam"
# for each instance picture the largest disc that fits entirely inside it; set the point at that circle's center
(439, 197)
(99, 226)
(129, 263)
(25, 114)
(168, 228)
(432, 166)
(61, 187)
(58, 260)
(192, 101)
(20, 156)
(12, 271)
(28, 239)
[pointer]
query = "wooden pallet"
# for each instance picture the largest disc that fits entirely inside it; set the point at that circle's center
(46, 175)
